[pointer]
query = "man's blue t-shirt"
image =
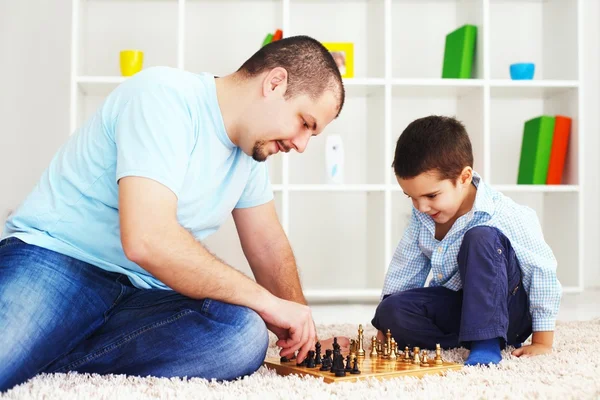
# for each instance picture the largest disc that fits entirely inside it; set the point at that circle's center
(164, 124)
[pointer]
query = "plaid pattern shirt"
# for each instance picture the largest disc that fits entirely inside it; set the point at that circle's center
(420, 253)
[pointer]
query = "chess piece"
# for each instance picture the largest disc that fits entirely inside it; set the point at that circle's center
(336, 345)
(388, 340)
(373, 347)
(424, 359)
(318, 359)
(352, 348)
(416, 356)
(386, 350)
(360, 351)
(393, 355)
(355, 369)
(338, 364)
(379, 349)
(348, 363)
(406, 355)
(284, 359)
(310, 360)
(438, 355)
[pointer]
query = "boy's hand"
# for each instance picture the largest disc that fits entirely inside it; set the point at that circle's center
(534, 349)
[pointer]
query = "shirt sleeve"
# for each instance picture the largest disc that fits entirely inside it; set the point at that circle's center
(537, 260)
(155, 137)
(409, 266)
(258, 188)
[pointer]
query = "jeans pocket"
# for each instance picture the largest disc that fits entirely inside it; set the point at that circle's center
(10, 241)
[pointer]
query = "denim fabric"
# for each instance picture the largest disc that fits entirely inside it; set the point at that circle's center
(492, 302)
(59, 314)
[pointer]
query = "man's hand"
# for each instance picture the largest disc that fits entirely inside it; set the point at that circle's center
(283, 316)
(534, 349)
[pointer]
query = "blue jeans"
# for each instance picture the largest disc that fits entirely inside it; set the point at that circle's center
(491, 304)
(59, 314)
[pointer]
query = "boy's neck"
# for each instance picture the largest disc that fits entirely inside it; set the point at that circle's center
(465, 207)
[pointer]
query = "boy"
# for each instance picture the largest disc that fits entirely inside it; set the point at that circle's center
(493, 276)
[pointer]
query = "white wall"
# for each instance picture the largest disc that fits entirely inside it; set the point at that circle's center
(34, 104)
(34, 92)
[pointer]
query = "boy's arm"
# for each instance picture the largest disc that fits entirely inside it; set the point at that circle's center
(545, 290)
(409, 266)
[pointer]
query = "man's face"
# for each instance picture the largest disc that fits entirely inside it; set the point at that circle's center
(284, 125)
(440, 199)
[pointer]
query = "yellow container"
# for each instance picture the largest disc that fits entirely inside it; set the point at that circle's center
(131, 62)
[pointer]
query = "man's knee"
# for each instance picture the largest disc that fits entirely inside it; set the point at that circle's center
(253, 341)
(247, 341)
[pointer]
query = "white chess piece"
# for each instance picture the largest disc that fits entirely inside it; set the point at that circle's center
(334, 159)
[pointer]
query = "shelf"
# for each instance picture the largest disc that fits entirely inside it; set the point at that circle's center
(98, 85)
(418, 35)
(508, 113)
(220, 35)
(435, 87)
(361, 127)
(537, 188)
(332, 188)
(107, 27)
(346, 295)
(357, 21)
(338, 239)
(542, 32)
(531, 88)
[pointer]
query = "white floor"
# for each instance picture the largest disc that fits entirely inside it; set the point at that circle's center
(573, 307)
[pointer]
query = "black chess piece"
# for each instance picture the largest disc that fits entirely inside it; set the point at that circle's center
(310, 360)
(338, 364)
(355, 369)
(284, 359)
(348, 364)
(303, 363)
(325, 365)
(336, 345)
(318, 359)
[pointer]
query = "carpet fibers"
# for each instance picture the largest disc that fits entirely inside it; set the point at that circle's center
(572, 371)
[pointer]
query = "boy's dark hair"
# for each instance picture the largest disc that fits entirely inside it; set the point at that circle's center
(311, 68)
(433, 143)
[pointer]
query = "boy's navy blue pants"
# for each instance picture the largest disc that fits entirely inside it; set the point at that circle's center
(491, 304)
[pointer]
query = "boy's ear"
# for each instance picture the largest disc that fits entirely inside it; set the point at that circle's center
(466, 176)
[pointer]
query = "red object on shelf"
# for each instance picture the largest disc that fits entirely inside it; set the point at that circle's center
(278, 35)
(560, 142)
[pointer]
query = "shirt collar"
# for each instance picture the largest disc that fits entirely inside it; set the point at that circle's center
(483, 198)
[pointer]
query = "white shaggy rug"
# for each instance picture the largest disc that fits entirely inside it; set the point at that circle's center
(572, 371)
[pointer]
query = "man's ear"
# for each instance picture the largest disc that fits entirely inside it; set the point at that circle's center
(275, 81)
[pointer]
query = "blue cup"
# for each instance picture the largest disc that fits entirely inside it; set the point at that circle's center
(521, 71)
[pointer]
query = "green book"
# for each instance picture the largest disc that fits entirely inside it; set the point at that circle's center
(535, 150)
(459, 53)
(268, 39)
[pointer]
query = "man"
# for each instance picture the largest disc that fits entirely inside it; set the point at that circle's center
(88, 260)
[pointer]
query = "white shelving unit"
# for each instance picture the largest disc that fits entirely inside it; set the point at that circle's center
(343, 236)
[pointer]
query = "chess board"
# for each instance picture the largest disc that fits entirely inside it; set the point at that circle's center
(370, 367)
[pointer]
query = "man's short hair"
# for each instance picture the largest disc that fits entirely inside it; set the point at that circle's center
(311, 68)
(433, 143)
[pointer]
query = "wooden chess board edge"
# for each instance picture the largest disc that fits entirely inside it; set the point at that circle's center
(284, 369)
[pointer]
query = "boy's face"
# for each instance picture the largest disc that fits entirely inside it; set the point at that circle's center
(441, 199)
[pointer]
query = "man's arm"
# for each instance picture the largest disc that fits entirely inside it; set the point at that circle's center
(268, 251)
(152, 238)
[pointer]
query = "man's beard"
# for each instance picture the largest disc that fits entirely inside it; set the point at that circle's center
(258, 152)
